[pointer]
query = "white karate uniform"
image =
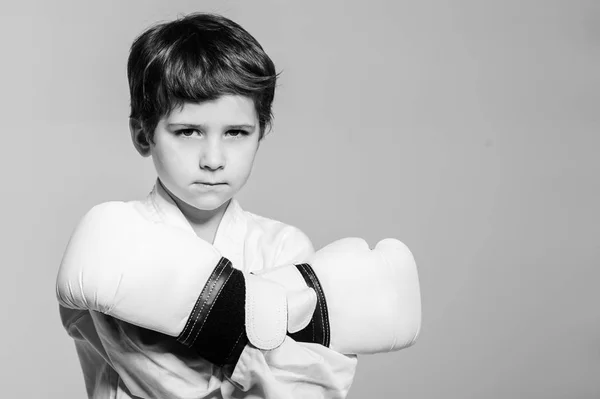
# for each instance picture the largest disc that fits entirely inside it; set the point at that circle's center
(120, 360)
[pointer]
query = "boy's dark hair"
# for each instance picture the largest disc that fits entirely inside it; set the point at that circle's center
(197, 58)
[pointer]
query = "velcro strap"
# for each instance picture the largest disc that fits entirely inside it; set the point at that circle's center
(266, 312)
(301, 308)
(301, 300)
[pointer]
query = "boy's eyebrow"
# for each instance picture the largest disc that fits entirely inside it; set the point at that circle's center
(203, 127)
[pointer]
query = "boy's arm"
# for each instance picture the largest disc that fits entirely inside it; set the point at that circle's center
(168, 280)
(165, 279)
(313, 370)
(152, 365)
(115, 264)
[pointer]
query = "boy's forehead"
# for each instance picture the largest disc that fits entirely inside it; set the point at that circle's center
(228, 109)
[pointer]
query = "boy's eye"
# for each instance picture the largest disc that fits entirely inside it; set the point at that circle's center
(187, 132)
(237, 133)
(190, 132)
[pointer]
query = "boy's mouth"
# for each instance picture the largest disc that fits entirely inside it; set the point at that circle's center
(206, 183)
(209, 183)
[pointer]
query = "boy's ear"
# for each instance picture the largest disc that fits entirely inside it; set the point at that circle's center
(139, 137)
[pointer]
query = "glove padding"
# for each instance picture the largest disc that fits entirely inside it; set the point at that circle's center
(368, 301)
(165, 279)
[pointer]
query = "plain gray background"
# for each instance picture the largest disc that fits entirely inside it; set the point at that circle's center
(467, 129)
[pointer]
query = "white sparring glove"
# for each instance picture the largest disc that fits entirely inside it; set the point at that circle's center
(368, 301)
(166, 279)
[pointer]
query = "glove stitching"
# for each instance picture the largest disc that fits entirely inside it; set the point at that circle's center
(193, 316)
(280, 324)
(321, 309)
(320, 302)
(312, 322)
(209, 310)
(211, 283)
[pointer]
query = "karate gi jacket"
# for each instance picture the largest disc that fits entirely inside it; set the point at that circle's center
(122, 361)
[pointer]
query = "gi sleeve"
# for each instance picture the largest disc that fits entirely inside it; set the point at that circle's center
(148, 364)
(297, 369)
(122, 360)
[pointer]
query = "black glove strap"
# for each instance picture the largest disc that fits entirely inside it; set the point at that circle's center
(216, 327)
(317, 331)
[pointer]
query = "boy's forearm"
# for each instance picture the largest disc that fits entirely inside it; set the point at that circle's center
(123, 286)
(165, 279)
(194, 294)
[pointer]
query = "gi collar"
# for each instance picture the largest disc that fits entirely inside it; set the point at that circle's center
(229, 239)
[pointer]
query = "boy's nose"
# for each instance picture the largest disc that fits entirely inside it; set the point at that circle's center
(212, 156)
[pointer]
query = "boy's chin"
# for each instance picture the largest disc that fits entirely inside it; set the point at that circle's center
(208, 204)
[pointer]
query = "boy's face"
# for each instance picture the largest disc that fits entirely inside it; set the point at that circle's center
(204, 152)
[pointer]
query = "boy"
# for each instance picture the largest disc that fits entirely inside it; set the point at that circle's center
(201, 93)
